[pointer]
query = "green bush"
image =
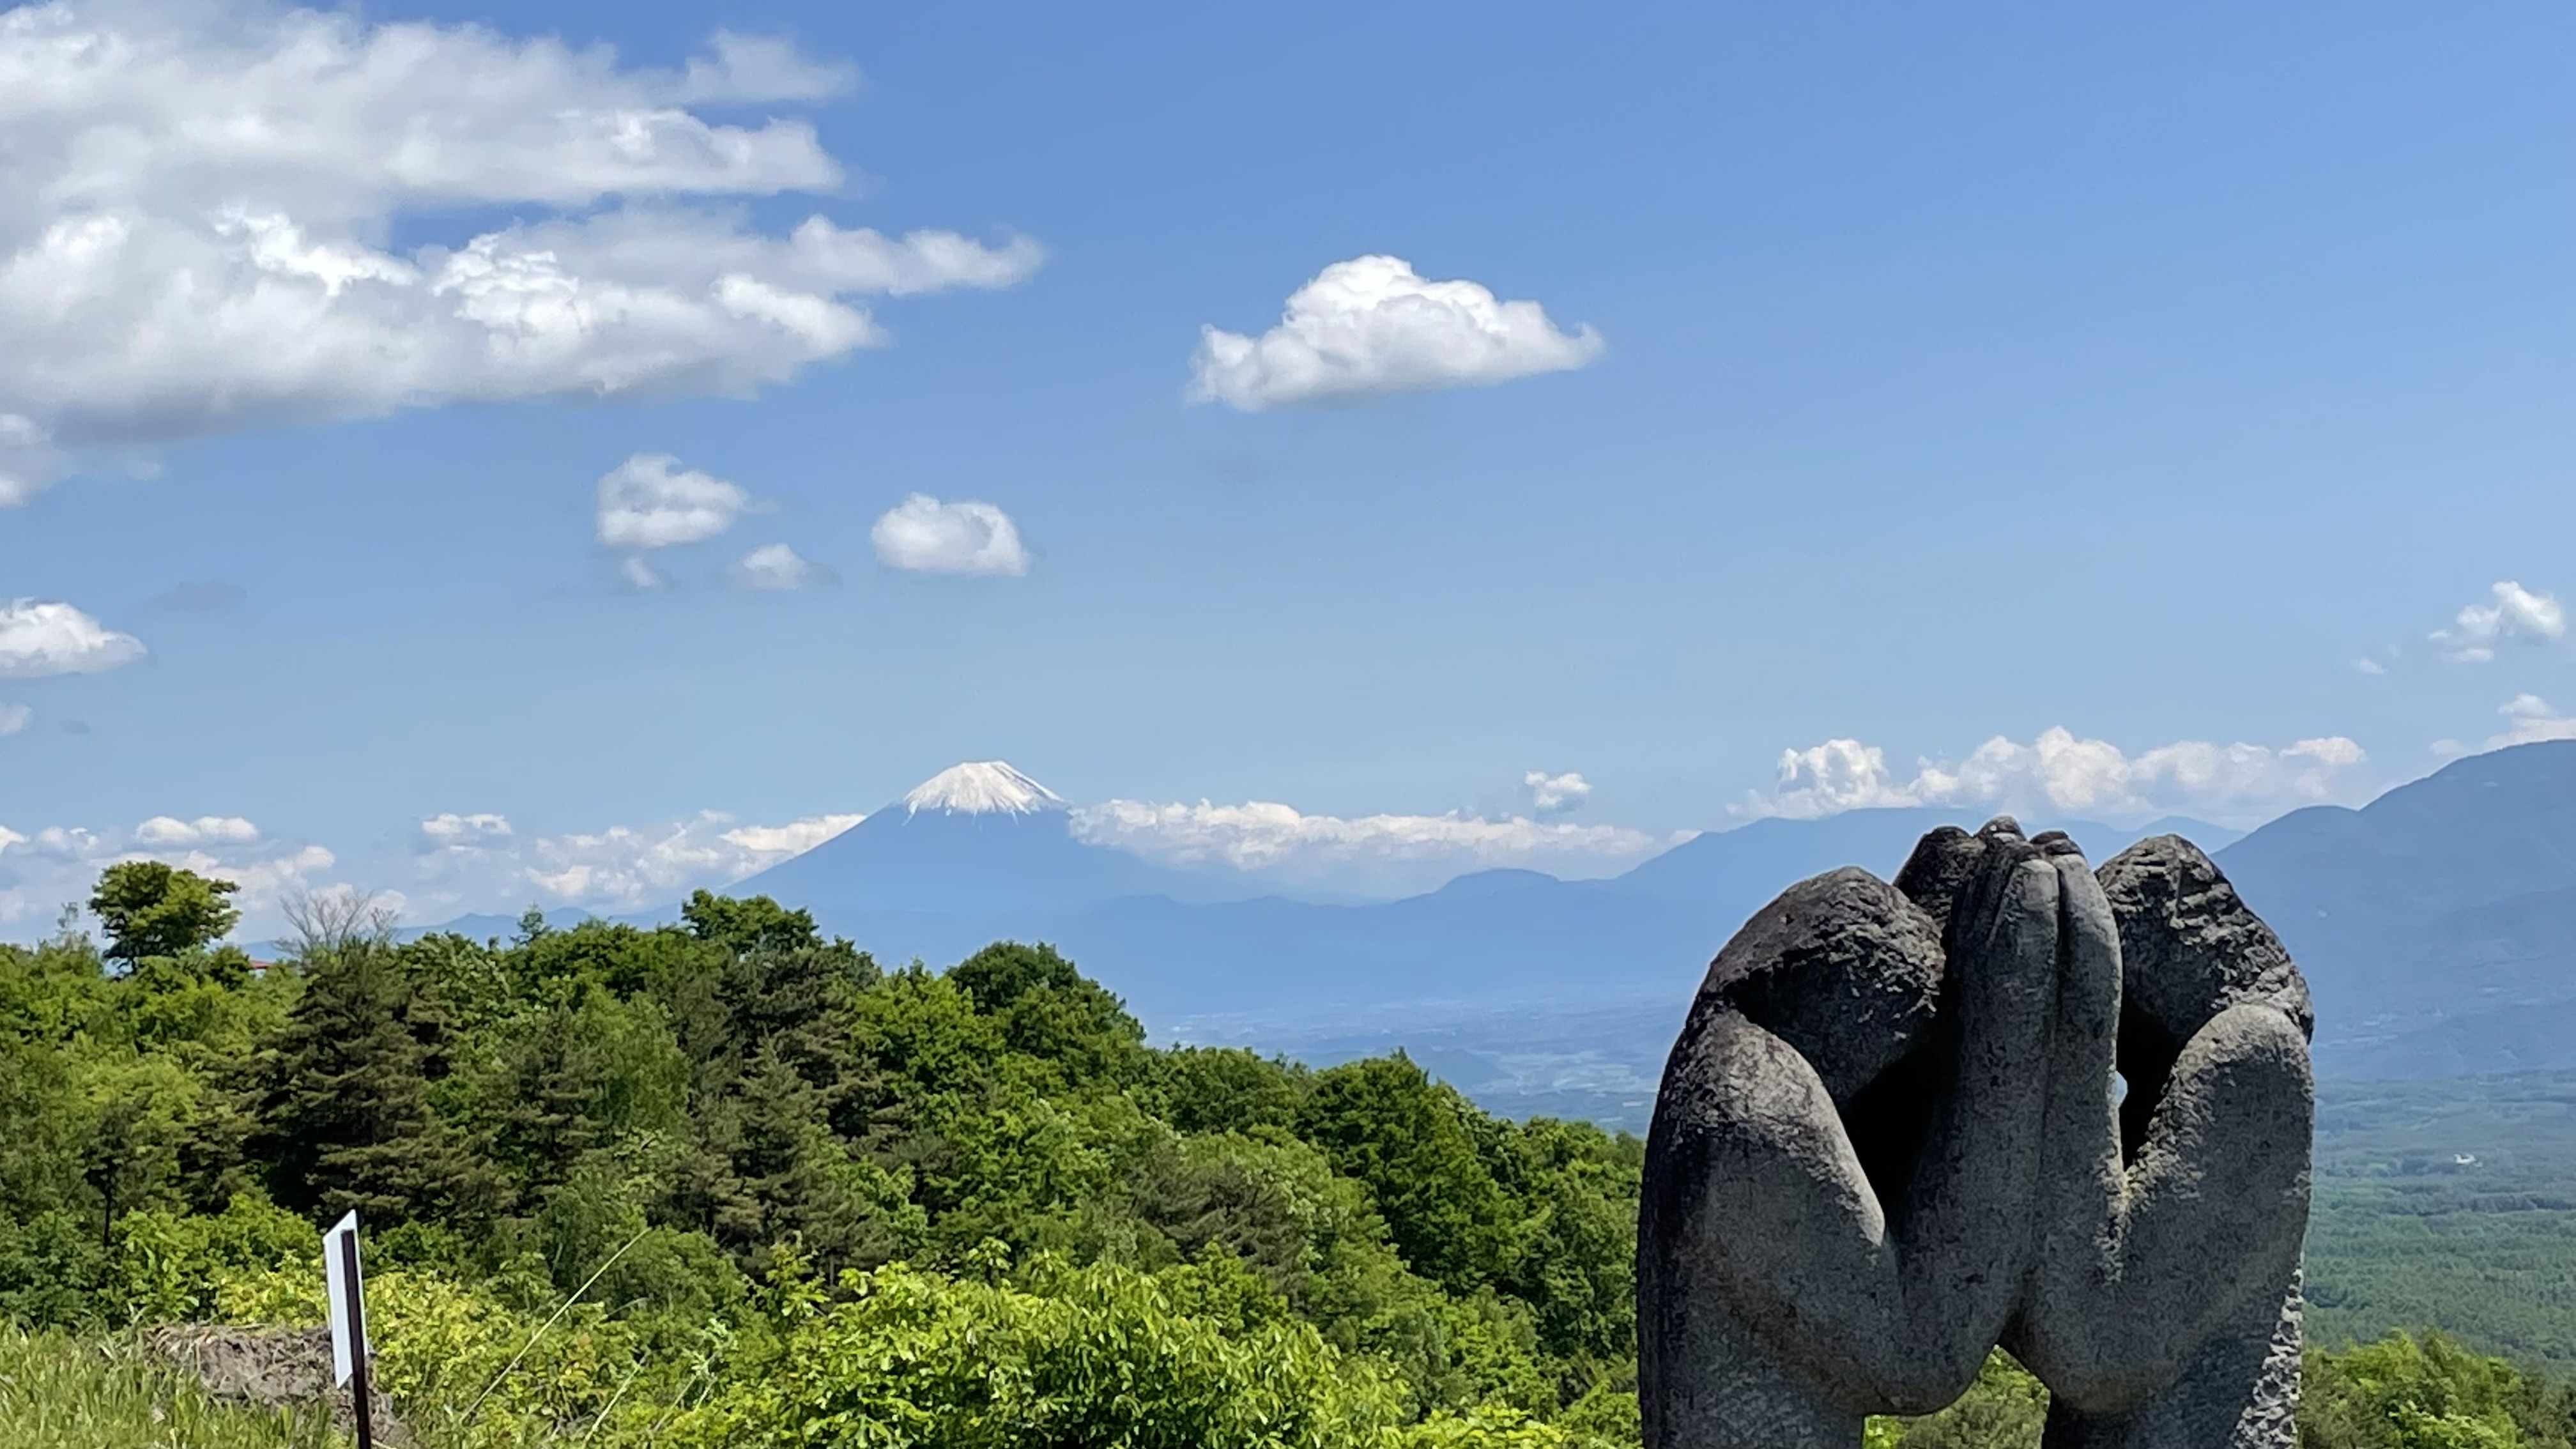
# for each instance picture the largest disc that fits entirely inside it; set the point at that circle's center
(1065, 1356)
(2428, 1393)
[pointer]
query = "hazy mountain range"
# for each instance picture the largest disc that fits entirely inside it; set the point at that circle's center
(982, 851)
(2437, 924)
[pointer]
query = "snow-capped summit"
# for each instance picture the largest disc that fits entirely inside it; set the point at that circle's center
(981, 787)
(980, 839)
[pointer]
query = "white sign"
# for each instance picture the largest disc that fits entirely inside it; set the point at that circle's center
(339, 1266)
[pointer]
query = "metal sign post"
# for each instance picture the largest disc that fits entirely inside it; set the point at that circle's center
(347, 1292)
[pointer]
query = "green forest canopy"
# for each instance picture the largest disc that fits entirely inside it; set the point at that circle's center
(805, 1199)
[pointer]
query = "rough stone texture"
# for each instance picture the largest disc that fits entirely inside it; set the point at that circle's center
(1887, 1140)
(1941, 864)
(2163, 1309)
(1841, 1175)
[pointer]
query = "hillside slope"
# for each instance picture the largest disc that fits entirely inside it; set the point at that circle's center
(2429, 919)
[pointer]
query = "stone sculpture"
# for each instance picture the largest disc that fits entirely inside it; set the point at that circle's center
(1890, 1138)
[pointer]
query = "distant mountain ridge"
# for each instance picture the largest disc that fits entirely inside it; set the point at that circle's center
(982, 850)
(2437, 925)
(2434, 919)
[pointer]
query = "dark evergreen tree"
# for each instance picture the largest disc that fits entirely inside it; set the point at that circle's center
(344, 1099)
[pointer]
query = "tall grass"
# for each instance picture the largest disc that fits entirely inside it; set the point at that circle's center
(58, 1392)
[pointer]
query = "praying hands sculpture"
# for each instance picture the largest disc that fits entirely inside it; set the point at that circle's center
(1891, 1138)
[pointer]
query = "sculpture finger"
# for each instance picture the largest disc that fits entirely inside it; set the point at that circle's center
(2081, 1188)
(1758, 1198)
(2209, 1223)
(1779, 1264)
(1966, 1232)
(1757, 1212)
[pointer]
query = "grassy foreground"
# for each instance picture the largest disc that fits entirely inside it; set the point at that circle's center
(58, 1391)
(61, 1392)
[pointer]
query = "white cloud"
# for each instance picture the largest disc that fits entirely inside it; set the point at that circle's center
(1371, 325)
(2368, 665)
(927, 536)
(1550, 794)
(2516, 614)
(451, 829)
(14, 719)
(197, 194)
(650, 501)
(2529, 719)
(775, 568)
(794, 838)
(2334, 752)
(42, 872)
(460, 862)
(165, 831)
(38, 638)
(489, 866)
(1830, 778)
(2059, 772)
(1375, 854)
(758, 68)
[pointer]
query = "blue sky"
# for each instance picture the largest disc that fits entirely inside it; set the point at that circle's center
(1962, 376)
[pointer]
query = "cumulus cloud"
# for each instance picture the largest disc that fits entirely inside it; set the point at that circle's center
(925, 535)
(194, 208)
(450, 829)
(2530, 719)
(640, 576)
(759, 68)
(776, 568)
(794, 838)
(472, 862)
(38, 638)
(2062, 773)
(1551, 794)
(166, 831)
(2514, 613)
(14, 719)
(650, 501)
(44, 870)
(1374, 854)
(1371, 325)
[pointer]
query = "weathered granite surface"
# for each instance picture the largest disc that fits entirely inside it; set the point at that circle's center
(1890, 1138)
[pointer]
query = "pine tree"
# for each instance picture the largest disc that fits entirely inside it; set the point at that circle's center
(344, 1109)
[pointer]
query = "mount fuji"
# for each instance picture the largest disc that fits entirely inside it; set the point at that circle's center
(979, 838)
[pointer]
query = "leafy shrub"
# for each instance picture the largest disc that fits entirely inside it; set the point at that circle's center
(1068, 1357)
